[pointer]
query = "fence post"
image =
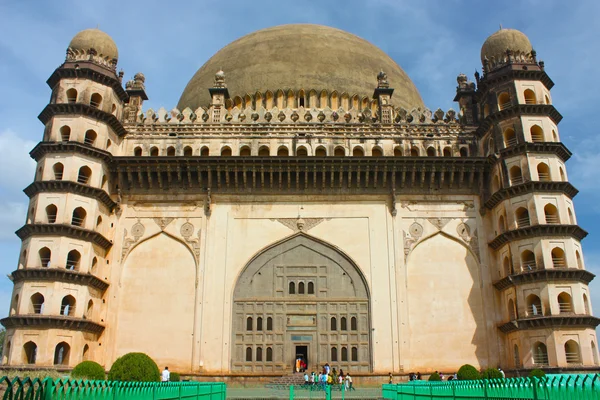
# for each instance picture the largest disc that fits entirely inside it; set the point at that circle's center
(48, 389)
(179, 390)
(485, 389)
(328, 392)
(535, 393)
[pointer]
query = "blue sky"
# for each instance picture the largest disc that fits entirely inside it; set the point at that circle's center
(433, 41)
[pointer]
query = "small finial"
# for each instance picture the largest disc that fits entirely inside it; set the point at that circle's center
(501, 27)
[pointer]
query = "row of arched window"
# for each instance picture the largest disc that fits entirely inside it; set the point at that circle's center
(303, 288)
(72, 263)
(89, 138)
(259, 354)
(78, 216)
(95, 100)
(333, 324)
(302, 151)
(522, 220)
(343, 351)
(62, 353)
(534, 306)
(571, 349)
(84, 174)
(259, 324)
(67, 305)
(529, 263)
(504, 101)
(516, 177)
(536, 133)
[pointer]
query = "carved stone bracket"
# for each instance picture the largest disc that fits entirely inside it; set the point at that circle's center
(300, 224)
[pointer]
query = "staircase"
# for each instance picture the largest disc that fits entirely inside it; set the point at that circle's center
(287, 381)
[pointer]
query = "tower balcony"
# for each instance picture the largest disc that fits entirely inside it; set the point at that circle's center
(546, 230)
(86, 110)
(60, 275)
(517, 110)
(550, 321)
(38, 321)
(60, 186)
(540, 274)
(71, 231)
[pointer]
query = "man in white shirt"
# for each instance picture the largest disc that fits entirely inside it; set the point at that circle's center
(166, 375)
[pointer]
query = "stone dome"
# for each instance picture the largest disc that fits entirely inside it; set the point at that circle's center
(97, 40)
(298, 57)
(505, 39)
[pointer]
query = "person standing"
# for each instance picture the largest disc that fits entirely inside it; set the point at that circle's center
(349, 382)
(391, 379)
(166, 375)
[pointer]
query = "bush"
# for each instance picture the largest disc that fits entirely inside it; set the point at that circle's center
(491, 373)
(468, 373)
(89, 370)
(537, 373)
(174, 377)
(434, 377)
(134, 367)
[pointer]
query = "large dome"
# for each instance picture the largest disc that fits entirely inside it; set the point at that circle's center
(97, 40)
(502, 40)
(300, 57)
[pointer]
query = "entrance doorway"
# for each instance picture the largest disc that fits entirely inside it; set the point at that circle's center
(302, 355)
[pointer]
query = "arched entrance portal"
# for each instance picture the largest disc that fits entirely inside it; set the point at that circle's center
(301, 298)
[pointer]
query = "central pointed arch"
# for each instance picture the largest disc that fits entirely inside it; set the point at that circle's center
(273, 285)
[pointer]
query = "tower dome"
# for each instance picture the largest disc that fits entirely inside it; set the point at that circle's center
(95, 39)
(502, 40)
(301, 56)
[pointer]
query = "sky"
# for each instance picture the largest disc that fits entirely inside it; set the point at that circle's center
(433, 41)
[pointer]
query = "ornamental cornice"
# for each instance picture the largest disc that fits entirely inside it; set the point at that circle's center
(542, 230)
(545, 275)
(54, 186)
(52, 110)
(517, 110)
(508, 74)
(71, 231)
(530, 187)
(551, 321)
(90, 71)
(59, 274)
(52, 321)
(557, 148)
(43, 148)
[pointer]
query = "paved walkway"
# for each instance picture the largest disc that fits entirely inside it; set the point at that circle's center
(256, 393)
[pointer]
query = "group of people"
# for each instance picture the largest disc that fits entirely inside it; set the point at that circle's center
(329, 376)
(300, 365)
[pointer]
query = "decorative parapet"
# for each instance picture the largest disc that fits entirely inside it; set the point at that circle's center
(71, 231)
(60, 275)
(82, 109)
(37, 321)
(91, 55)
(70, 187)
(545, 275)
(90, 71)
(551, 321)
(543, 230)
(530, 187)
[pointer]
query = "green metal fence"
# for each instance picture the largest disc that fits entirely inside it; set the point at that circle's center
(571, 387)
(66, 389)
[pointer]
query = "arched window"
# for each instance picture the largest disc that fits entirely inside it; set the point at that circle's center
(51, 212)
(537, 134)
(248, 353)
(137, 152)
(84, 175)
(586, 304)
(529, 97)
(29, 353)
(171, 151)
(311, 288)
(414, 152)
(528, 261)
(283, 151)
(67, 306)
(103, 182)
(89, 312)
(578, 259)
(512, 314)
(94, 265)
(259, 354)
(45, 255)
(353, 324)
(522, 217)
(464, 152)
(571, 217)
(565, 303)
(90, 137)
(572, 352)
(334, 351)
(292, 288)
(377, 152)
(543, 172)
(73, 259)
(78, 218)
(249, 323)
(204, 152)
(534, 305)
(269, 354)
(339, 151)
(430, 152)
(320, 152)
(447, 152)
(343, 325)
(264, 151)
(502, 224)
(23, 259)
(397, 151)
(551, 214)
(354, 353)
(562, 174)
(333, 324)
(504, 101)
(187, 151)
(506, 266)
(245, 151)
(14, 305)
(65, 133)
(510, 139)
(154, 151)
(96, 100)
(269, 323)
(547, 99)
(344, 353)
(226, 151)
(301, 152)
(58, 169)
(558, 258)
(516, 356)
(540, 354)
(61, 354)
(72, 95)
(37, 303)
(86, 353)
(99, 223)
(358, 151)
(259, 324)
(301, 288)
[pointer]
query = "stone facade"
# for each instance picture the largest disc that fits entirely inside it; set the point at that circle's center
(340, 227)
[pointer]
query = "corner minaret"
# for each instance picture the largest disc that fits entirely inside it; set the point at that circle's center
(383, 94)
(540, 277)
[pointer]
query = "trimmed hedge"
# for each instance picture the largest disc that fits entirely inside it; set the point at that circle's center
(537, 373)
(174, 377)
(468, 373)
(491, 373)
(434, 377)
(89, 370)
(136, 367)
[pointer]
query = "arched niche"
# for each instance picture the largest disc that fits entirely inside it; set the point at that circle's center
(156, 302)
(301, 319)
